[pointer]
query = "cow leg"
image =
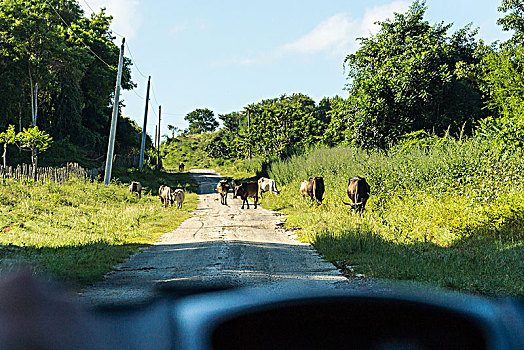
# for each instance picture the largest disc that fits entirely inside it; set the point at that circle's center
(256, 201)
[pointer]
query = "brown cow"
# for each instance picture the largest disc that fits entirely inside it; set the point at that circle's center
(234, 184)
(166, 195)
(245, 190)
(223, 189)
(179, 196)
(358, 192)
(136, 187)
(314, 188)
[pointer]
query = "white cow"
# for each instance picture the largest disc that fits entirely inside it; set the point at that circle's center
(136, 187)
(179, 196)
(267, 185)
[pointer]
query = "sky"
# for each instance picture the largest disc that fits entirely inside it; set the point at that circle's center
(224, 55)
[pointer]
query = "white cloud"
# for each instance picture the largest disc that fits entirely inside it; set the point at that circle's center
(126, 14)
(335, 36)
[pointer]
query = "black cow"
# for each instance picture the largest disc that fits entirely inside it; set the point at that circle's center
(358, 192)
(245, 190)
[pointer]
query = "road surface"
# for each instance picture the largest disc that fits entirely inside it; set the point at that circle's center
(219, 246)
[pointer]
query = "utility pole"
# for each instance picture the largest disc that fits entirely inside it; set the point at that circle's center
(158, 143)
(143, 144)
(112, 132)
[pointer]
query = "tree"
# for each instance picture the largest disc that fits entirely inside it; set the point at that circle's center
(513, 20)
(403, 79)
(233, 121)
(500, 76)
(36, 141)
(64, 83)
(201, 120)
(7, 137)
(173, 130)
(283, 125)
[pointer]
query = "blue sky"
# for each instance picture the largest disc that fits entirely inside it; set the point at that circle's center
(224, 55)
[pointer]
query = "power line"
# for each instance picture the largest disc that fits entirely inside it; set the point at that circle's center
(134, 61)
(112, 30)
(154, 95)
(72, 31)
(136, 93)
(89, 6)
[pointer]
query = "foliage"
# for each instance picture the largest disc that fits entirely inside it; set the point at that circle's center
(74, 68)
(402, 79)
(438, 206)
(201, 120)
(281, 126)
(34, 139)
(500, 76)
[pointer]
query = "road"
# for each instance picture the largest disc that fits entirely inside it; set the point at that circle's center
(219, 246)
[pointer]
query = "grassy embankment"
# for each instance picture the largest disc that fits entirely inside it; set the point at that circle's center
(450, 214)
(78, 230)
(189, 149)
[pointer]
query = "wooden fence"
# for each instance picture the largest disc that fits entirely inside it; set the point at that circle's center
(48, 174)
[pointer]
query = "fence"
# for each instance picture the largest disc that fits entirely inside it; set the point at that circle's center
(47, 174)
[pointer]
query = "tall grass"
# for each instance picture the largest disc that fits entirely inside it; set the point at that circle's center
(449, 213)
(78, 230)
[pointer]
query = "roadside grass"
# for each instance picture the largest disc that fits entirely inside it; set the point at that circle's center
(78, 230)
(451, 214)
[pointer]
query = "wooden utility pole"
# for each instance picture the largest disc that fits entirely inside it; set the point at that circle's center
(158, 143)
(143, 144)
(112, 132)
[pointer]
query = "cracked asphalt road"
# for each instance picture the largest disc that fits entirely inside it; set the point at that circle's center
(219, 246)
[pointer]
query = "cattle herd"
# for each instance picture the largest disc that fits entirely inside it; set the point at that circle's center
(168, 196)
(358, 190)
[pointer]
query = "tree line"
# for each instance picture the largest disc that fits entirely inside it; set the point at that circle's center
(58, 67)
(57, 71)
(411, 78)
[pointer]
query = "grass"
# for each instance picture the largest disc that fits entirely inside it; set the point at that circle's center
(451, 214)
(189, 149)
(78, 230)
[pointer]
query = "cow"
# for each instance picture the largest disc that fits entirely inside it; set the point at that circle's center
(223, 189)
(358, 193)
(179, 197)
(136, 187)
(267, 185)
(314, 188)
(181, 167)
(245, 190)
(166, 195)
(303, 188)
(234, 184)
